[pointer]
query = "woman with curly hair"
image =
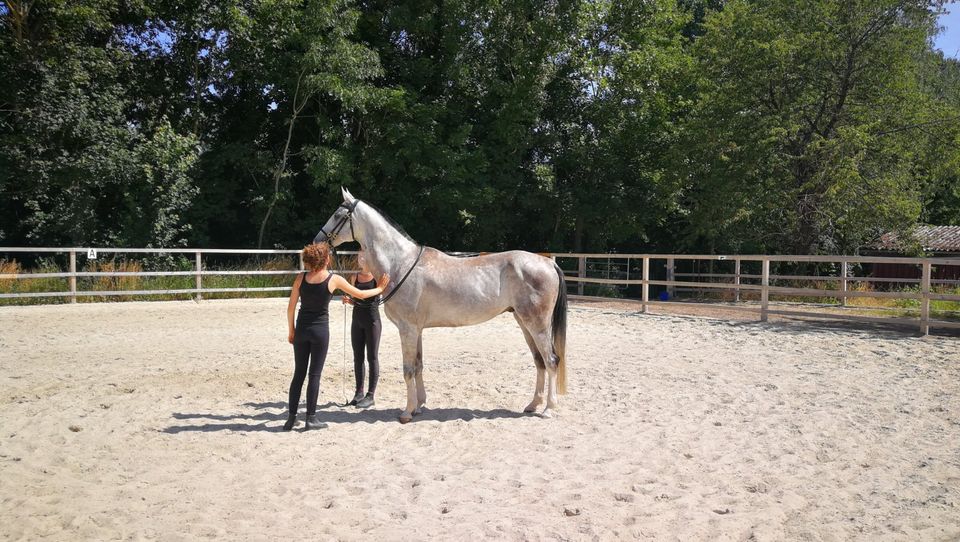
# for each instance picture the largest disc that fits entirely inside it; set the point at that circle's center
(310, 334)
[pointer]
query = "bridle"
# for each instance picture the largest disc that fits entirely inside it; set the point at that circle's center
(347, 218)
(334, 232)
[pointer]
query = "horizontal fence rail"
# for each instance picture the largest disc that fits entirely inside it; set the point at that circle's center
(616, 270)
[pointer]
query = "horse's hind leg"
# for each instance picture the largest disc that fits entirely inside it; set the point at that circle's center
(544, 340)
(418, 372)
(550, 360)
(541, 369)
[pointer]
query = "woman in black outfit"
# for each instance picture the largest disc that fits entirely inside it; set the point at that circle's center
(365, 335)
(310, 336)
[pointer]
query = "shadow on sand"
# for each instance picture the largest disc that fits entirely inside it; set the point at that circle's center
(271, 416)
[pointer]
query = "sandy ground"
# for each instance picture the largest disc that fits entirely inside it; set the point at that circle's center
(162, 421)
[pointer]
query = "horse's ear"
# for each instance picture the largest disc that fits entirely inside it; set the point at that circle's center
(347, 196)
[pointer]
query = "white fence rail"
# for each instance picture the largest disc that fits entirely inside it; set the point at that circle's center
(736, 282)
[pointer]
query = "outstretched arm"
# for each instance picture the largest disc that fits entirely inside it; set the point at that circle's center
(292, 306)
(339, 283)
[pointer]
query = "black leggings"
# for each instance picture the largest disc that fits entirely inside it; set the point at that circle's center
(309, 344)
(365, 333)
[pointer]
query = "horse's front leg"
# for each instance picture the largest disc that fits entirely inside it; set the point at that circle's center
(418, 371)
(409, 344)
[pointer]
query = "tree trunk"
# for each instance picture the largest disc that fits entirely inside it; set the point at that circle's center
(282, 166)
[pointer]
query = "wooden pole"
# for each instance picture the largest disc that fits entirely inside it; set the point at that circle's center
(670, 277)
(73, 276)
(925, 297)
(199, 276)
(736, 279)
(646, 283)
(581, 272)
(765, 292)
(843, 283)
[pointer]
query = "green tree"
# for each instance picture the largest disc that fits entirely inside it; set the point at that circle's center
(940, 139)
(622, 88)
(71, 169)
(804, 134)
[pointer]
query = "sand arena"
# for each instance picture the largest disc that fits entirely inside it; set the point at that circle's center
(162, 421)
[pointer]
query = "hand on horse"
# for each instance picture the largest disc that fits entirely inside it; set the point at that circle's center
(347, 300)
(384, 280)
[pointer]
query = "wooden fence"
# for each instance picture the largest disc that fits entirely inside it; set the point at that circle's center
(198, 272)
(738, 282)
(589, 270)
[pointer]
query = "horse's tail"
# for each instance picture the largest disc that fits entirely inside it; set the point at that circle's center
(560, 332)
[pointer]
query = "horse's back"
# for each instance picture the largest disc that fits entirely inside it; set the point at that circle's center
(469, 290)
(526, 278)
(518, 259)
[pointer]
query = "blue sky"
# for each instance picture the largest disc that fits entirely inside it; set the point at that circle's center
(949, 40)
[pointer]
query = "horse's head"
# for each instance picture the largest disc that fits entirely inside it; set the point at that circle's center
(339, 229)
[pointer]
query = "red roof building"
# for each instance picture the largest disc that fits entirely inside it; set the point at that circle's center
(935, 241)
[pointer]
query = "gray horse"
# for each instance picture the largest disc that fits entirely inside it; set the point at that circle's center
(429, 288)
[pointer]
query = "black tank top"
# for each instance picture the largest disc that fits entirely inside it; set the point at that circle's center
(368, 304)
(314, 300)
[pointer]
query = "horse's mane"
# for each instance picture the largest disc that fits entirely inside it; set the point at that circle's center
(403, 232)
(390, 221)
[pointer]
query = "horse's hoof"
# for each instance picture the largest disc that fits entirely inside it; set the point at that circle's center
(546, 413)
(531, 408)
(418, 411)
(405, 419)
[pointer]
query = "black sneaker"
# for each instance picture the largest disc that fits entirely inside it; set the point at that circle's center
(314, 423)
(291, 421)
(366, 402)
(356, 399)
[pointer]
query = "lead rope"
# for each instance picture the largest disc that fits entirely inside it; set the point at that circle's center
(343, 358)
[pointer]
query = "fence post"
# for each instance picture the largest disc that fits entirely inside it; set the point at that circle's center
(736, 280)
(646, 283)
(670, 278)
(925, 298)
(199, 268)
(73, 276)
(843, 284)
(581, 272)
(765, 291)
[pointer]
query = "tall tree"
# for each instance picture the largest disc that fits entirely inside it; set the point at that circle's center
(622, 88)
(803, 137)
(74, 166)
